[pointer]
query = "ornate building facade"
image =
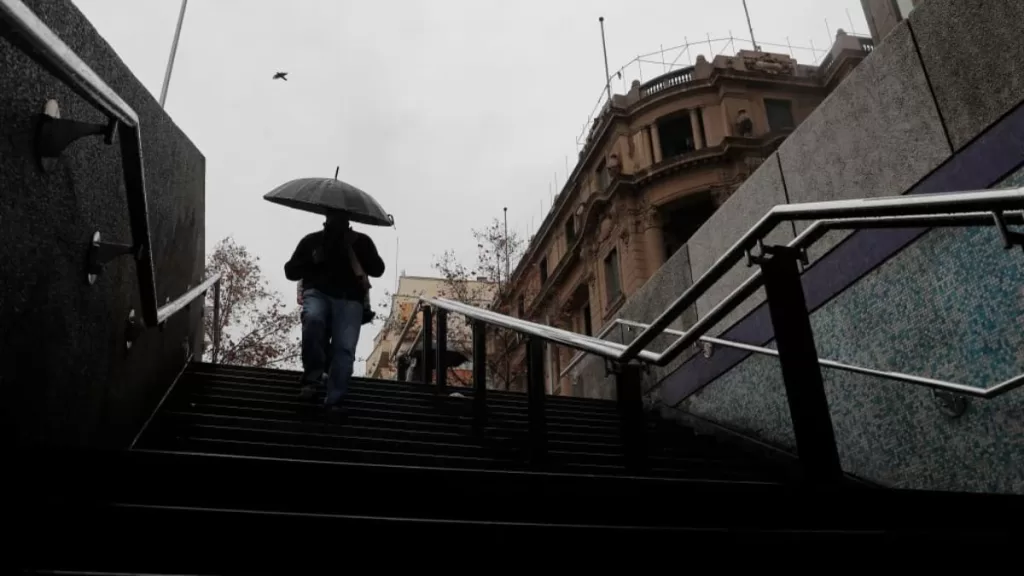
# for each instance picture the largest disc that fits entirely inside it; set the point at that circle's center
(657, 163)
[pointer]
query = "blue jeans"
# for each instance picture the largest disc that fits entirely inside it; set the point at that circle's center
(325, 318)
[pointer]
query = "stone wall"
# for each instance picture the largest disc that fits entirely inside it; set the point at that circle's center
(65, 374)
(929, 111)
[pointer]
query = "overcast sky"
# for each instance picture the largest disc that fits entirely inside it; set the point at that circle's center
(445, 110)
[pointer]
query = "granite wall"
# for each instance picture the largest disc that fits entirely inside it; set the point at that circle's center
(65, 374)
(935, 108)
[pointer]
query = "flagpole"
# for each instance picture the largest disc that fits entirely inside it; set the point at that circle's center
(750, 27)
(174, 52)
(604, 48)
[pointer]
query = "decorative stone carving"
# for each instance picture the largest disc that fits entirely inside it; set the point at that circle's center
(606, 228)
(652, 217)
(773, 64)
(744, 125)
(624, 235)
(614, 166)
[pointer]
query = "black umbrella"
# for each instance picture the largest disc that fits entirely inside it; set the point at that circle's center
(326, 196)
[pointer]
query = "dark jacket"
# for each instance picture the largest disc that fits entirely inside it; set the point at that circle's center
(333, 275)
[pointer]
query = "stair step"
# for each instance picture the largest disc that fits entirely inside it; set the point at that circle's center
(312, 411)
(135, 539)
(426, 400)
(172, 420)
(428, 405)
(288, 376)
(278, 485)
(400, 390)
(341, 448)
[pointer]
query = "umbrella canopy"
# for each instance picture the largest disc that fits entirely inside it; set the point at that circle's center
(329, 196)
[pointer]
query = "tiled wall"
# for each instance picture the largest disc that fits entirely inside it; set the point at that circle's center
(951, 306)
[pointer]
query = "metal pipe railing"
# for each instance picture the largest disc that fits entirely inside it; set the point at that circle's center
(984, 208)
(547, 333)
(807, 238)
(934, 383)
(24, 29)
(183, 301)
(945, 206)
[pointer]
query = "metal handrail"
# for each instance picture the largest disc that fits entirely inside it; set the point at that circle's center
(22, 27)
(986, 393)
(888, 212)
(579, 355)
(547, 333)
(805, 240)
(981, 208)
(183, 301)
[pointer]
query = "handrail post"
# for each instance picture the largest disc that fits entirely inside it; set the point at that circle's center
(479, 376)
(629, 397)
(536, 393)
(216, 322)
(428, 326)
(442, 350)
(801, 372)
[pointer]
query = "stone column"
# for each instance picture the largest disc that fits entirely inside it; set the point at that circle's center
(655, 143)
(698, 140)
(726, 120)
(654, 241)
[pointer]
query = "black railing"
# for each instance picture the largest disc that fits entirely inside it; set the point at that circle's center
(25, 30)
(779, 274)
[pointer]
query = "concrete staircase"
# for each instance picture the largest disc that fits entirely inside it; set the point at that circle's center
(235, 474)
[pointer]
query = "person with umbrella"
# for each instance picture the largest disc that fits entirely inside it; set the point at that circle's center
(329, 264)
(333, 266)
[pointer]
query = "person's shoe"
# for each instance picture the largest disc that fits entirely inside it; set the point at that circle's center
(307, 392)
(336, 413)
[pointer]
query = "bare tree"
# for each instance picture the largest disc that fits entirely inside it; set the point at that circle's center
(497, 257)
(256, 327)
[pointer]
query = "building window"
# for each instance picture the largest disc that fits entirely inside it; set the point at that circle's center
(676, 135)
(612, 285)
(543, 270)
(780, 114)
(588, 327)
(570, 231)
(681, 219)
(602, 176)
(700, 125)
(522, 307)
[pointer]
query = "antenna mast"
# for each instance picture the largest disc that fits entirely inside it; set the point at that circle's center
(750, 26)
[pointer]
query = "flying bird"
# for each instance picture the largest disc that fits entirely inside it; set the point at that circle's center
(281, 76)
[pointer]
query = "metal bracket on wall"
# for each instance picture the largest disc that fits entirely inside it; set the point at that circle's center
(1009, 237)
(54, 134)
(133, 329)
(100, 253)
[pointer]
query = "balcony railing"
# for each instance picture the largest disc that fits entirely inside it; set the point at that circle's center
(666, 81)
